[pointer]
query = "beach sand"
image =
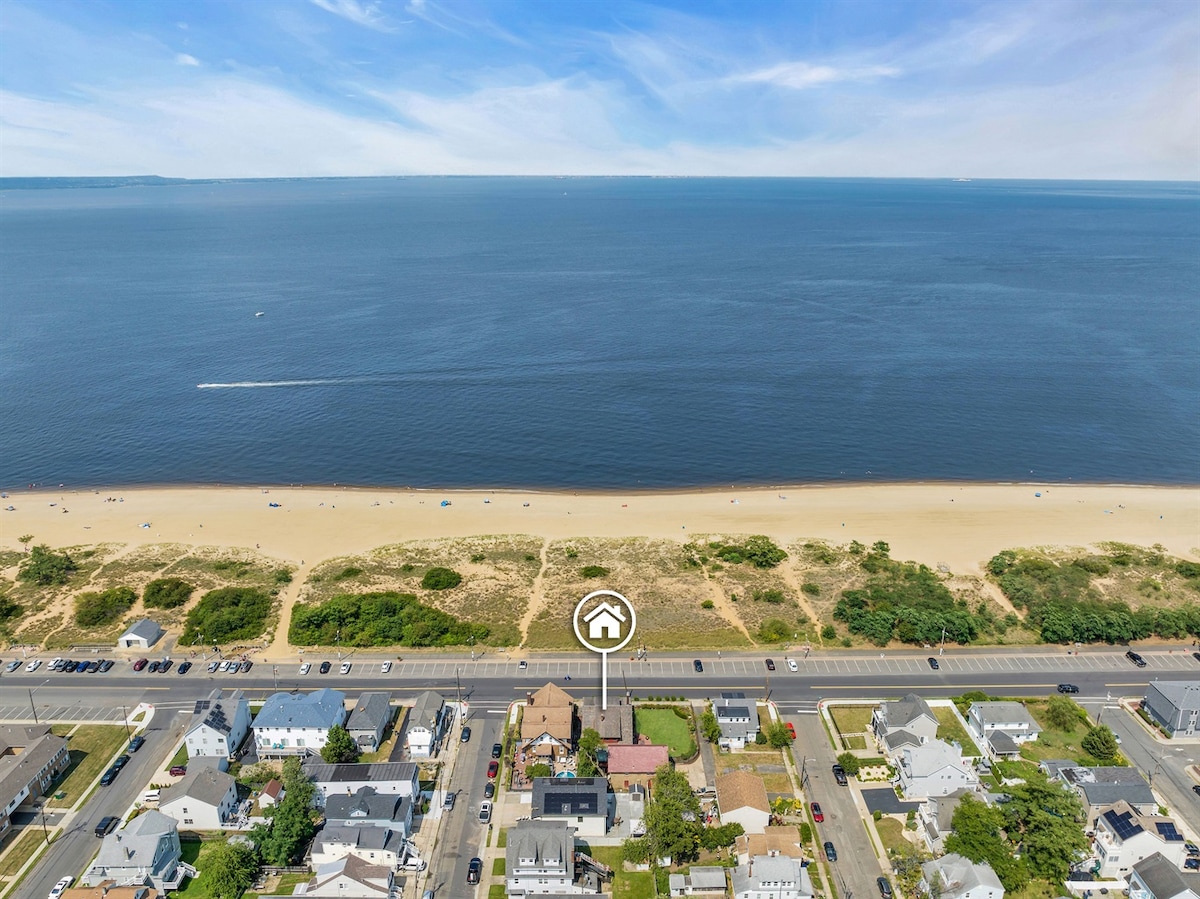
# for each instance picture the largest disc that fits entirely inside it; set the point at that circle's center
(957, 525)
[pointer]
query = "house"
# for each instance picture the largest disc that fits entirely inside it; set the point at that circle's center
(272, 794)
(1175, 705)
(31, 759)
(741, 797)
(219, 725)
(906, 722)
(604, 622)
(614, 724)
(701, 880)
(548, 723)
(345, 779)
(108, 889)
(637, 762)
(142, 635)
(961, 878)
(933, 769)
(1124, 837)
(428, 719)
(581, 802)
(1156, 878)
(367, 808)
(774, 876)
(934, 816)
(774, 840)
(1100, 787)
(205, 799)
(373, 845)
(352, 878)
(297, 723)
(1002, 727)
(145, 851)
(370, 718)
(540, 858)
(738, 720)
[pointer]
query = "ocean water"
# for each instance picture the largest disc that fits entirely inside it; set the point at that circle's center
(600, 333)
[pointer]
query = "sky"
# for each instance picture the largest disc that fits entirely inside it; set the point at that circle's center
(287, 88)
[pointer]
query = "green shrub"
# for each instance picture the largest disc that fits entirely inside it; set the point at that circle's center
(96, 609)
(811, 589)
(590, 571)
(478, 557)
(227, 614)
(46, 568)
(379, 619)
(282, 575)
(348, 572)
(441, 579)
(167, 593)
(828, 632)
(708, 604)
(773, 596)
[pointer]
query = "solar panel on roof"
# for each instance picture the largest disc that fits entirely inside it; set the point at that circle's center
(1166, 830)
(201, 705)
(1123, 825)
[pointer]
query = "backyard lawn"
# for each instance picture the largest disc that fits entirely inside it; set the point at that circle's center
(287, 883)
(665, 728)
(891, 833)
(852, 719)
(950, 729)
(626, 884)
(92, 747)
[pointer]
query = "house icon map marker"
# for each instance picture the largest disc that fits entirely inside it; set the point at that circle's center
(612, 618)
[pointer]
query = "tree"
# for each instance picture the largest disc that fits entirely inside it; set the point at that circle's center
(538, 769)
(761, 552)
(167, 593)
(850, 762)
(229, 868)
(46, 568)
(672, 817)
(1062, 713)
(1100, 743)
(714, 838)
(441, 579)
(585, 758)
(340, 746)
(778, 735)
(1044, 819)
(25, 540)
(96, 609)
(978, 834)
(709, 727)
(282, 841)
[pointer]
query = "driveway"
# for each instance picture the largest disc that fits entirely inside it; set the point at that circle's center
(885, 800)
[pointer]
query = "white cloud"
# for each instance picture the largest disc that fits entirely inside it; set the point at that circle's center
(185, 59)
(802, 75)
(365, 14)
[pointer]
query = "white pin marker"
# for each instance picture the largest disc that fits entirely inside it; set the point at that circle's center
(605, 622)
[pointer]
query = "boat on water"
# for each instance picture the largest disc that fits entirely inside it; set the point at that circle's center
(957, 180)
(259, 314)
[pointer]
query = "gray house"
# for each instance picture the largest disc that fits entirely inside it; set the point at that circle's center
(1098, 788)
(144, 851)
(1157, 878)
(142, 635)
(1175, 705)
(206, 799)
(738, 720)
(426, 721)
(540, 858)
(1002, 727)
(906, 722)
(367, 808)
(370, 719)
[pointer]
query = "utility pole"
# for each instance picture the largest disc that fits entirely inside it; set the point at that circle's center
(125, 721)
(942, 648)
(275, 673)
(33, 690)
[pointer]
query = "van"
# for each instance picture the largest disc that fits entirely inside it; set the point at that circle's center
(151, 796)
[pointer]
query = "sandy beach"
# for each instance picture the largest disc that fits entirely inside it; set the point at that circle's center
(957, 525)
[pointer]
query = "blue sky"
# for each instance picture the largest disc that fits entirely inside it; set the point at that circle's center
(374, 87)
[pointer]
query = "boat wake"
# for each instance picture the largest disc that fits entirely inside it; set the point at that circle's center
(310, 382)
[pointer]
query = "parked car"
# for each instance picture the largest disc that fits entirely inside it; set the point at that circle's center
(1136, 659)
(13, 665)
(306, 667)
(885, 887)
(792, 666)
(448, 802)
(933, 663)
(497, 750)
(57, 664)
(178, 770)
(791, 729)
(137, 743)
(475, 867)
(1196, 789)
(246, 666)
(489, 790)
(185, 667)
(105, 665)
(1067, 688)
(324, 669)
(698, 665)
(109, 776)
(1191, 864)
(34, 665)
(818, 815)
(1191, 848)
(839, 774)
(214, 665)
(120, 761)
(154, 666)
(465, 734)
(68, 667)
(770, 664)
(93, 666)
(165, 666)
(493, 769)
(385, 667)
(82, 667)
(346, 666)
(106, 825)
(140, 664)
(522, 665)
(830, 852)
(60, 887)
(485, 812)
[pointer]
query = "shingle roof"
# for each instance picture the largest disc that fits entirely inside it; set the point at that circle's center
(1182, 694)
(906, 710)
(543, 841)
(992, 713)
(361, 837)
(1002, 743)
(613, 723)
(366, 804)
(555, 721)
(207, 785)
(220, 713)
(1107, 785)
(353, 868)
(319, 710)
(960, 875)
(1160, 876)
(932, 757)
(364, 772)
(135, 844)
(146, 629)
(37, 748)
(551, 695)
(425, 710)
(741, 789)
(372, 713)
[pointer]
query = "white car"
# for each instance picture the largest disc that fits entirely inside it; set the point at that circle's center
(345, 667)
(385, 667)
(306, 667)
(485, 812)
(792, 666)
(34, 665)
(60, 887)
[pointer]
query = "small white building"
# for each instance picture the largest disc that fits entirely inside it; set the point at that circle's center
(425, 723)
(1124, 837)
(347, 778)
(742, 798)
(351, 878)
(701, 880)
(738, 719)
(934, 769)
(961, 878)
(773, 876)
(219, 725)
(374, 845)
(297, 723)
(142, 635)
(1001, 727)
(206, 799)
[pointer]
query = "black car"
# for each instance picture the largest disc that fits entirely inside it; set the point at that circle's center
(465, 734)
(885, 887)
(165, 666)
(120, 761)
(93, 667)
(1191, 864)
(830, 852)
(137, 743)
(106, 825)
(933, 663)
(770, 664)
(489, 790)
(474, 870)
(698, 665)
(154, 666)
(1196, 789)
(1136, 659)
(1067, 688)
(325, 666)
(839, 774)
(109, 776)
(106, 665)
(246, 666)
(185, 667)
(497, 749)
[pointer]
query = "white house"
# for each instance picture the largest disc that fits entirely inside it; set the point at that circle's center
(604, 622)
(345, 779)
(351, 878)
(425, 723)
(741, 797)
(771, 877)
(1156, 878)
(540, 858)
(934, 769)
(961, 878)
(582, 802)
(906, 722)
(219, 725)
(142, 635)
(738, 720)
(206, 799)
(1124, 837)
(1001, 727)
(297, 723)
(144, 851)
(374, 845)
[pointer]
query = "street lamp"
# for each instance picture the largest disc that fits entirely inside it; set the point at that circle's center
(33, 690)
(125, 721)
(942, 648)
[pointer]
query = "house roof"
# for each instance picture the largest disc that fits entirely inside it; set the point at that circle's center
(25, 751)
(371, 714)
(374, 877)
(273, 788)
(960, 875)
(220, 712)
(1126, 822)
(898, 739)
(774, 840)
(207, 785)
(931, 757)
(1183, 694)
(108, 889)
(319, 710)
(136, 844)
(366, 804)
(726, 712)
(770, 869)
(1161, 876)
(741, 789)
(556, 721)
(383, 838)
(554, 796)
(613, 723)
(996, 713)
(358, 772)
(699, 877)
(543, 841)
(146, 629)
(643, 758)
(1110, 784)
(551, 695)
(906, 710)
(1002, 743)
(426, 708)
(946, 806)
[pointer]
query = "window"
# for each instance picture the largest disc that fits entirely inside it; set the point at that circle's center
(187, 820)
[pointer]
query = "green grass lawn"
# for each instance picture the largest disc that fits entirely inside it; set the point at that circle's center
(180, 757)
(194, 853)
(625, 884)
(950, 729)
(891, 833)
(21, 850)
(497, 891)
(852, 719)
(665, 728)
(498, 867)
(92, 747)
(287, 883)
